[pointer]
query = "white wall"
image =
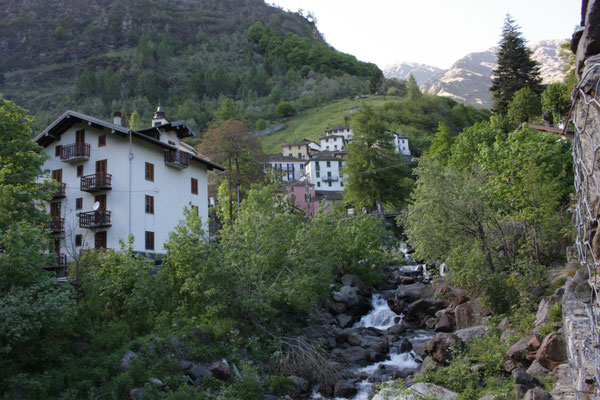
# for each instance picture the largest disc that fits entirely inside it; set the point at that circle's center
(333, 169)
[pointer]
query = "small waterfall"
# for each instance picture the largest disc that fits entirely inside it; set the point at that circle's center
(381, 317)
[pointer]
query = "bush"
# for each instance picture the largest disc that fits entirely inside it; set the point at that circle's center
(285, 109)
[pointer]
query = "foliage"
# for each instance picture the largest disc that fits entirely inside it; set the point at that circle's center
(285, 109)
(134, 121)
(376, 172)
(524, 106)
(495, 207)
(515, 68)
(556, 99)
(227, 110)
(440, 146)
(412, 89)
(377, 83)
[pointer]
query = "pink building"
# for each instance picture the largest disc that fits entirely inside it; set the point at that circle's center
(303, 196)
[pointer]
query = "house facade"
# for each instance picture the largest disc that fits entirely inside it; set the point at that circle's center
(401, 144)
(344, 131)
(325, 172)
(333, 143)
(117, 182)
(302, 193)
(290, 168)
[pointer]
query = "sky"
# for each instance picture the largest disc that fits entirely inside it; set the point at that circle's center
(433, 32)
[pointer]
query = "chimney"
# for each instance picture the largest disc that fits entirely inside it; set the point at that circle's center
(117, 118)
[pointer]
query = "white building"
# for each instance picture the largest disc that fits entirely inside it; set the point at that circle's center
(344, 131)
(291, 168)
(325, 172)
(401, 144)
(117, 182)
(333, 143)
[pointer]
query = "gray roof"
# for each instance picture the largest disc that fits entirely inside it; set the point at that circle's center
(331, 136)
(327, 156)
(280, 157)
(69, 118)
(329, 195)
(337, 128)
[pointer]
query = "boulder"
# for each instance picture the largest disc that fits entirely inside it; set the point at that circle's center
(539, 290)
(509, 366)
(345, 389)
(347, 295)
(537, 369)
(404, 345)
(354, 338)
(344, 320)
(369, 340)
(136, 394)
(127, 359)
(156, 382)
(198, 372)
(445, 322)
(523, 378)
(519, 350)
(183, 364)
(537, 393)
(553, 351)
(503, 325)
(434, 391)
(425, 306)
(301, 387)
(413, 292)
(440, 347)
(520, 391)
(397, 329)
(378, 352)
(470, 314)
(469, 334)
(221, 370)
(350, 280)
(542, 316)
(355, 354)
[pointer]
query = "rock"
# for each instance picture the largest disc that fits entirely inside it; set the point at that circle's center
(269, 397)
(403, 279)
(507, 335)
(301, 387)
(537, 369)
(355, 354)
(509, 366)
(347, 295)
(127, 359)
(414, 291)
(469, 334)
(368, 341)
(221, 370)
(523, 378)
(335, 307)
(435, 391)
(136, 394)
(199, 372)
(344, 320)
(156, 382)
(537, 394)
(534, 343)
(470, 314)
(354, 338)
(542, 315)
(404, 345)
(426, 306)
(553, 351)
(430, 323)
(439, 347)
(175, 342)
(344, 389)
(350, 280)
(428, 364)
(520, 391)
(519, 350)
(445, 322)
(183, 364)
(563, 385)
(395, 329)
(539, 290)
(317, 331)
(503, 325)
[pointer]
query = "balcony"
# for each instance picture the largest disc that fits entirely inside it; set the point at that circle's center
(94, 219)
(177, 159)
(60, 262)
(75, 152)
(96, 182)
(330, 179)
(58, 192)
(55, 225)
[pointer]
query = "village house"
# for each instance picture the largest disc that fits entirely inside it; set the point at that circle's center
(302, 149)
(287, 167)
(401, 144)
(302, 194)
(116, 182)
(333, 143)
(325, 171)
(344, 131)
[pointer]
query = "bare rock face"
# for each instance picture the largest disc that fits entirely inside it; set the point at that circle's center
(446, 322)
(470, 314)
(553, 351)
(440, 347)
(221, 370)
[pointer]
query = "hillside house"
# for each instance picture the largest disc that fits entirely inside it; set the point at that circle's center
(401, 144)
(333, 143)
(290, 168)
(117, 182)
(344, 131)
(325, 172)
(302, 149)
(302, 193)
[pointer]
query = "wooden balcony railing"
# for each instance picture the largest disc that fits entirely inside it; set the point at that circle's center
(57, 192)
(60, 262)
(75, 152)
(56, 224)
(176, 158)
(94, 219)
(96, 182)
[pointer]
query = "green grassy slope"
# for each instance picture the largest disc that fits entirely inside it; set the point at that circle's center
(311, 123)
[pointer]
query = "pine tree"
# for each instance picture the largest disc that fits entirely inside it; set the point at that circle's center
(377, 81)
(515, 68)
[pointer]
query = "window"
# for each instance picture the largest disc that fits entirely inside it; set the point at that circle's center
(149, 204)
(290, 148)
(339, 164)
(102, 140)
(80, 136)
(318, 184)
(149, 240)
(317, 165)
(156, 123)
(57, 175)
(329, 183)
(78, 240)
(329, 175)
(100, 240)
(299, 155)
(79, 203)
(342, 183)
(149, 172)
(79, 171)
(194, 186)
(318, 174)
(57, 150)
(329, 163)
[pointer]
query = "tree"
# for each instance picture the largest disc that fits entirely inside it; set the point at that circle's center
(134, 121)
(377, 81)
(412, 88)
(524, 106)
(227, 110)
(238, 150)
(376, 172)
(556, 100)
(515, 68)
(440, 146)
(285, 109)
